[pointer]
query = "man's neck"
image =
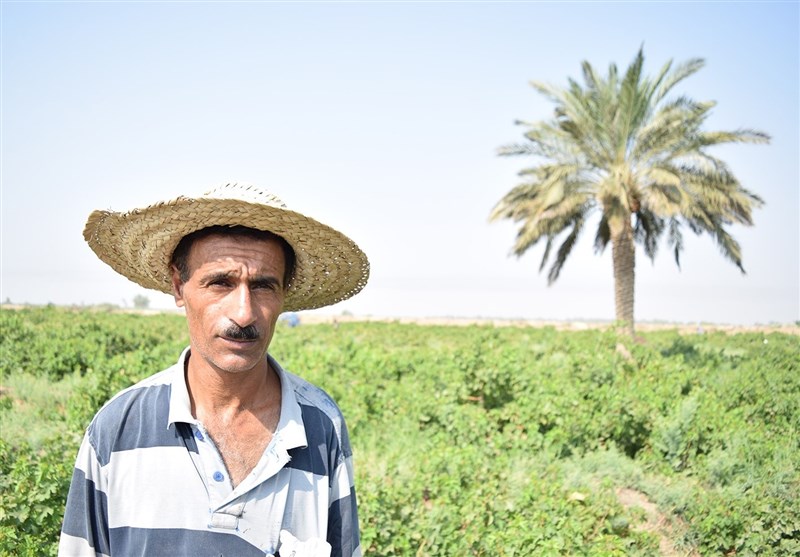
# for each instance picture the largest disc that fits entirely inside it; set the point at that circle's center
(212, 390)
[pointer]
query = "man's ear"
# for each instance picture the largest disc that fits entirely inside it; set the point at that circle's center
(177, 287)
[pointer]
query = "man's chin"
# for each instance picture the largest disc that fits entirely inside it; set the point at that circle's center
(240, 363)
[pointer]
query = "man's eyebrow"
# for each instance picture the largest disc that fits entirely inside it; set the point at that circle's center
(265, 280)
(218, 275)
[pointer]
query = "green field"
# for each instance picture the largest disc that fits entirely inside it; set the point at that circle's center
(468, 440)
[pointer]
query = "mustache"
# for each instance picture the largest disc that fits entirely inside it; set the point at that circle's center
(235, 332)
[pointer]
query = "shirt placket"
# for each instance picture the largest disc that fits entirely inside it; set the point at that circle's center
(222, 513)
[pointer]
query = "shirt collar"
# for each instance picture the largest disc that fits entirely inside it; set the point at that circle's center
(180, 407)
(290, 432)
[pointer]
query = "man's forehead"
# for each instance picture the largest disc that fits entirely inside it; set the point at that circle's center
(225, 250)
(232, 242)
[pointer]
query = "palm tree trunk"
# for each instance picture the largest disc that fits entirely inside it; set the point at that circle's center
(624, 256)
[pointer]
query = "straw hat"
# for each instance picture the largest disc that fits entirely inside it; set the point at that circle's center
(139, 243)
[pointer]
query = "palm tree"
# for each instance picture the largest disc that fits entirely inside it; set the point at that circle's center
(619, 146)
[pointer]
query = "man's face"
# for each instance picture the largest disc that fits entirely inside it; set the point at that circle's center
(233, 298)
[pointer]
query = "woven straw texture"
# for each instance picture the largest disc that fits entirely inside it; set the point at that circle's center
(138, 244)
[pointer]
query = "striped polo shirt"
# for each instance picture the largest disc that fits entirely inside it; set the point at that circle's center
(148, 480)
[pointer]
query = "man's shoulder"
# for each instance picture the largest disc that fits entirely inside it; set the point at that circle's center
(144, 404)
(309, 394)
(148, 386)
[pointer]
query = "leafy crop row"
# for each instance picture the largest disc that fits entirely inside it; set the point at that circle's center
(469, 440)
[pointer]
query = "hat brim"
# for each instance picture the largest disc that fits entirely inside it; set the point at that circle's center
(138, 244)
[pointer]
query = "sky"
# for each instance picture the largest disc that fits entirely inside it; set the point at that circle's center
(383, 120)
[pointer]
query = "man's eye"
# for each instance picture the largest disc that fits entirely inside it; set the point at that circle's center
(264, 286)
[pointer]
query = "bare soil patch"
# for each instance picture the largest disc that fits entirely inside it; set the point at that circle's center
(666, 528)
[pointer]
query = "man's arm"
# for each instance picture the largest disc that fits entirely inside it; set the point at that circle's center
(343, 532)
(85, 528)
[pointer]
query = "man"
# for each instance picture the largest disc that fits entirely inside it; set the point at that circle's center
(224, 453)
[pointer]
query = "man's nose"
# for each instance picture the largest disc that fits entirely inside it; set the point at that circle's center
(243, 312)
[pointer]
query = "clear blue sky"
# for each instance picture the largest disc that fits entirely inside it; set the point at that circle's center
(381, 119)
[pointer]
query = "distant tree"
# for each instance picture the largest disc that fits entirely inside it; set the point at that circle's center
(141, 302)
(618, 146)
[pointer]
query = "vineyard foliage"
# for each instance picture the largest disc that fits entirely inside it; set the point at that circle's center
(468, 440)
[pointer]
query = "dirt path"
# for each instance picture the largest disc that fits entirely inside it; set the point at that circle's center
(655, 522)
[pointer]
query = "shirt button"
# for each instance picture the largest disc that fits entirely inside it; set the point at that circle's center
(199, 434)
(218, 477)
